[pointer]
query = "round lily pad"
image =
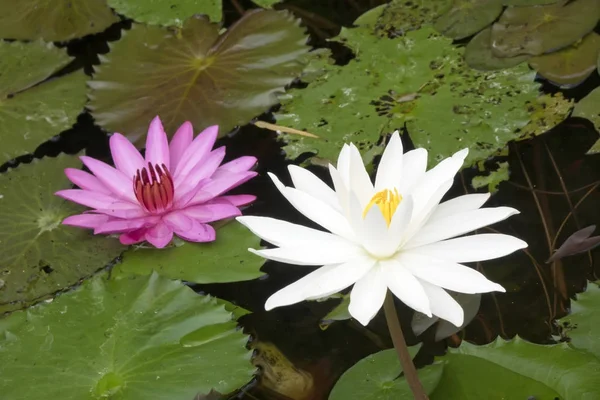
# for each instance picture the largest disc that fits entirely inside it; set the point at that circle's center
(227, 259)
(38, 255)
(479, 54)
(570, 65)
(197, 75)
(53, 20)
(467, 17)
(589, 108)
(542, 29)
(160, 12)
(30, 112)
(136, 339)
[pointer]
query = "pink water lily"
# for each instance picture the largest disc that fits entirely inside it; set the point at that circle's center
(177, 189)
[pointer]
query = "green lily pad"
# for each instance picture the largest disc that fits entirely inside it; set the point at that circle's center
(529, 2)
(467, 17)
(589, 108)
(546, 112)
(265, 3)
(493, 179)
(377, 377)
(32, 112)
(53, 20)
(582, 325)
(543, 29)
(338, 313)
(518, 369)
(135, 339)
(479, 54)
(38, 255)
(160, 12)
(225, 260)
(420, 80)
(595, 149)
(197, 75)
(570, 65)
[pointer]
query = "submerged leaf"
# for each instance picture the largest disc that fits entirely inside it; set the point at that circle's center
(137, 339)
(578, 242)
(467, 17)
(582, 325)
(197, 75)
(470, 304)
(493, 179)
(39, 255)
(542, 29)
(160, 12)
(32, 112)
(479, 54)
(53, 20)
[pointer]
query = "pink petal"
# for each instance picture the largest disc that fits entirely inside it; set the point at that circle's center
(126, 157)
(212, 212)
(94, 199)
(125, 225)
(86, 181)
(90, 221)
(157, 145)
(215, 187)
(112, 178)
(178, 221)
(238, 165)
(133, 237)
(159, 235)
(199, 232)
(123, 210)
(239, 199)
(196, 151)
(202, 170)
(180, 142)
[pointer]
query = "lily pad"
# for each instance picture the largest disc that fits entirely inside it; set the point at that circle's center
(225, 260)
(53, 20)
(38, 255)
(479, 55)
(546, 111)
(377, 377)
(265, 3)
(467, 17)
(528, 2)
(543, 29)
(570, 65)
(197, 75)
(582, 325)
(493, 179)
(160, 12)
(518, 369)
(30, 112)
(589, 108)
(595, 149)
(135, 339)
(338, 313)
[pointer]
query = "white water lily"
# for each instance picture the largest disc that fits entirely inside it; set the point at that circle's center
(392, 235)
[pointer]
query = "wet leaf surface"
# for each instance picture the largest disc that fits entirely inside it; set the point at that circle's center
(168, 13)
(38, 255)
(479, 54)
(32, 111)
(579, 242)
(542, 29)
(197, 75)
(135, 338)
(467, 17)
(53, 20)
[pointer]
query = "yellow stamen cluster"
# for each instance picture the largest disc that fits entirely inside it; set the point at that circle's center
(387, 201)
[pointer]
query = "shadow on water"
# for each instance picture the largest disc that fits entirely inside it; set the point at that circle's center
(553, 183)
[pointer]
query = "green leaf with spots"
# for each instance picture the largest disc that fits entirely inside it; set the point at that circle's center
(197, 75)
(546, 112)
(227, 259)
(479, 54)
(467, 17)
(136, 339)
(377, 377)
(582, 325)
(53, 20)
(543, 29)
(38, 255)
(493, 179)
(32, 111)
(589, 108)
(518, 369)
(167, 13)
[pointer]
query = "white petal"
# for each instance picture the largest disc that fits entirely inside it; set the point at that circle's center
(467, 202)
(308, 182)
(367, 296)
(400, 222)
(316, 210)
(482, 247)
(371, 231)
(414, 166)
(283, 233)
(313, 254)
(360, 183)
(389, 170)
(343, 165)
(423, 214)
(458, 224)
(449, 275)
(322, 282)
(405, 286)
(443, 305)
(341, 190)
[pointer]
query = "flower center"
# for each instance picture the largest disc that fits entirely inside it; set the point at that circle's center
(153, 188)
(387, 201)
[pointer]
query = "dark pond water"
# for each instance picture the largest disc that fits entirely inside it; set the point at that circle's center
(553, 183)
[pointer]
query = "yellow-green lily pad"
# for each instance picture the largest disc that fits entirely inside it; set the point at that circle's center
(589, 108)
(479, 54)
(467, 17)
(168, 13)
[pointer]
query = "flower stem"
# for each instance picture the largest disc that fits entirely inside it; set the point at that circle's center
(410, 372)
